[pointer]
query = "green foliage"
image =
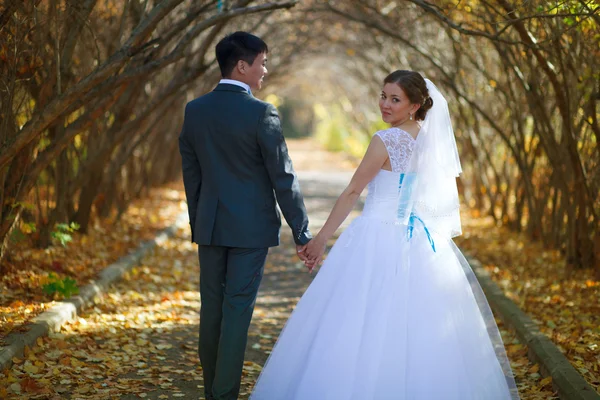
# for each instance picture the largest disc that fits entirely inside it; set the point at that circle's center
(43, 143)
(23, 205)
(28, 227)
(17, 236)
(63, 232)
(334, 136)
(339, 133)
(20, 234)
(66, 287)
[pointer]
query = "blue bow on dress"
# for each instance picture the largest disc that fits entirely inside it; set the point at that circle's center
(408, 179)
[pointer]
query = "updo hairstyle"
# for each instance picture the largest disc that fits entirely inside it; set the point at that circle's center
(415, 88)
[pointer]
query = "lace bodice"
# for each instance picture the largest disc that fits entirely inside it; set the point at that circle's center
(399, 145)
(382, 200)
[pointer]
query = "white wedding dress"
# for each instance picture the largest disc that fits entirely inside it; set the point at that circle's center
(389, 317)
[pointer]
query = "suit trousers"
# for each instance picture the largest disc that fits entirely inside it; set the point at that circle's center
(229, 281)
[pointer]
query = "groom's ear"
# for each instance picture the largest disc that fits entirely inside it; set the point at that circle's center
(241, 67)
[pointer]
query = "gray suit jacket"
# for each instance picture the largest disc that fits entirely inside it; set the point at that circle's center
(235, 162)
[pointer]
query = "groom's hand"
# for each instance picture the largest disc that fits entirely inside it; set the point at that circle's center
(300, 252)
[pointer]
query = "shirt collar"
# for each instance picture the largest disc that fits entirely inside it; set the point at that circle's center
(237, 83)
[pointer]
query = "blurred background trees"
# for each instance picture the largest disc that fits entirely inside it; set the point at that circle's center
(92, 95)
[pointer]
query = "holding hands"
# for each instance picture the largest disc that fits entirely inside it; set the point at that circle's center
(312, 253)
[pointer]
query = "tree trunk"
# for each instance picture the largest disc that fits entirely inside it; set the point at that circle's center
(87, 196)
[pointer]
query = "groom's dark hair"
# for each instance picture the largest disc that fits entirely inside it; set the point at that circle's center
(238, 46)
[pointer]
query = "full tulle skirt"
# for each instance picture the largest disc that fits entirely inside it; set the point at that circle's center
(387, 317)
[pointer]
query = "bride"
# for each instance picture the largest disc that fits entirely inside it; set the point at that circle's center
(395, 311)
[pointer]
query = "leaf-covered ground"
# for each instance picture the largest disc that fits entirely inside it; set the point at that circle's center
(27, 269)
(140, 340)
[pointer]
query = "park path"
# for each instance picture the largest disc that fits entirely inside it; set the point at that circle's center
(140, 339)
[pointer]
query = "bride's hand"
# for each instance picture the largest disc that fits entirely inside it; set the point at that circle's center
(314, 252)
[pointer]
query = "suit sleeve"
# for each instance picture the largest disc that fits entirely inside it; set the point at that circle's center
(192, 174)
(282, 175)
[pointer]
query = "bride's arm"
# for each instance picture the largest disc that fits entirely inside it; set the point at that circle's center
(370, 165)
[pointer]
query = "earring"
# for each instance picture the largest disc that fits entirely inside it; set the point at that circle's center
(410, 116)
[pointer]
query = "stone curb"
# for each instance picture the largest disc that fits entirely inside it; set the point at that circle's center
(565, 378)
(52, 319)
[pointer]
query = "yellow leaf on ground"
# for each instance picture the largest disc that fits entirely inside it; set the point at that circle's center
(30, 368)
(534, 369)
(16, 388)
(546, 381)
(75, 363)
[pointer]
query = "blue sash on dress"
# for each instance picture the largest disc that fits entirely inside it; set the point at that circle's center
(408, 179)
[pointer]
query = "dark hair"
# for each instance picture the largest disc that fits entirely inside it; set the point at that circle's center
(415, 88)
(238, 46)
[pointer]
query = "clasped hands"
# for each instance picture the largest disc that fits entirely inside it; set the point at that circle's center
(312, 253)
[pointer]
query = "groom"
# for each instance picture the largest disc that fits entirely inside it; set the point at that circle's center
(235, 162)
